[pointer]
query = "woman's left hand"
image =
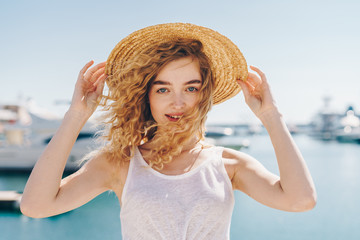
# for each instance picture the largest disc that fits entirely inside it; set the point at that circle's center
(257, 93)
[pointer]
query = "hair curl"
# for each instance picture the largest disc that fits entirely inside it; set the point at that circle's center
(128, 121)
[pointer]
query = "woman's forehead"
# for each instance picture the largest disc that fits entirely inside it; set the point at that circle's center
(181, 67)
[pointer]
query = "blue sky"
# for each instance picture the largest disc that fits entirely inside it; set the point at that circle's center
(308, 49)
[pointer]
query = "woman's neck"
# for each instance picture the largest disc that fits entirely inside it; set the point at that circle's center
(187, 146)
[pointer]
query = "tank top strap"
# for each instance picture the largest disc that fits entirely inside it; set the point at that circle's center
(217, 151)
(220, 164)
(134, 163)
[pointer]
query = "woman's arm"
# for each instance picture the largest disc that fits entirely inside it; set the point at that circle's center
(294, 190)
(46, 193)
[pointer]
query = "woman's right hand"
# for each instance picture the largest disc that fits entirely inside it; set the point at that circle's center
(88, 88)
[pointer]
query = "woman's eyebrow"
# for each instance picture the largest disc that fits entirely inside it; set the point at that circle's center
(161, 82)
(195, 81)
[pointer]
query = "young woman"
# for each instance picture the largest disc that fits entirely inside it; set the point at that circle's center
(171, 184)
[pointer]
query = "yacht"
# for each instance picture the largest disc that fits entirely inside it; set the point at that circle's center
(350, 128)
(25, 131)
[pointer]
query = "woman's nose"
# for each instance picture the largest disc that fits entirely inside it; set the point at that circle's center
(178, 100)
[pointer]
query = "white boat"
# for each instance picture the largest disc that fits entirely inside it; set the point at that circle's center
(350, 135)
(326, 122)
(25, 132)
(350, 131)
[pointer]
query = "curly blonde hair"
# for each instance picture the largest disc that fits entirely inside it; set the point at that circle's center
(128, 121)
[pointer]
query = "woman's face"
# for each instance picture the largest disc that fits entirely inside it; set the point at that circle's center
(175, 90)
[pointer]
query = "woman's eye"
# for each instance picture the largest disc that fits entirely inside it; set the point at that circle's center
(192, 89)
(161, 90)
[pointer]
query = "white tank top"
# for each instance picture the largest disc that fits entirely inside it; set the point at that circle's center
(193, 206)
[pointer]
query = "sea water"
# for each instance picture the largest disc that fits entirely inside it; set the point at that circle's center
(335, 168)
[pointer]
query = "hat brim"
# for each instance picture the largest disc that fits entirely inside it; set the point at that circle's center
(226, 61)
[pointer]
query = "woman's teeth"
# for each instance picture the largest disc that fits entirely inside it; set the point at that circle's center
(175, 117)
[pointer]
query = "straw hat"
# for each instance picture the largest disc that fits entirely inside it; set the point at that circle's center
(226, 61)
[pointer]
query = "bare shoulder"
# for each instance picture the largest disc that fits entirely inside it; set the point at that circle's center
(110, 171)
(235, 160)
(98, 163)
(245, 171)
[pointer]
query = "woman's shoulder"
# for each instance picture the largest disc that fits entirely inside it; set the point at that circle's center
(100, 161)
(229, 156)
(232, 154)
(234, 160)
(104, 165)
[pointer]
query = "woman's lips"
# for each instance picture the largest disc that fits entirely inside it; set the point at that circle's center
(173, 117)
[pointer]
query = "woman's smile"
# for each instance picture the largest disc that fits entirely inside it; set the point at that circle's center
(174, 117)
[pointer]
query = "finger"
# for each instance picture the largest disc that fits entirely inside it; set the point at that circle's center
(253, 79)
(85, 68)
(100, 84)
(91, 71)
(245, 87)
(261, 74)
(100, 79)
(97, 74)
